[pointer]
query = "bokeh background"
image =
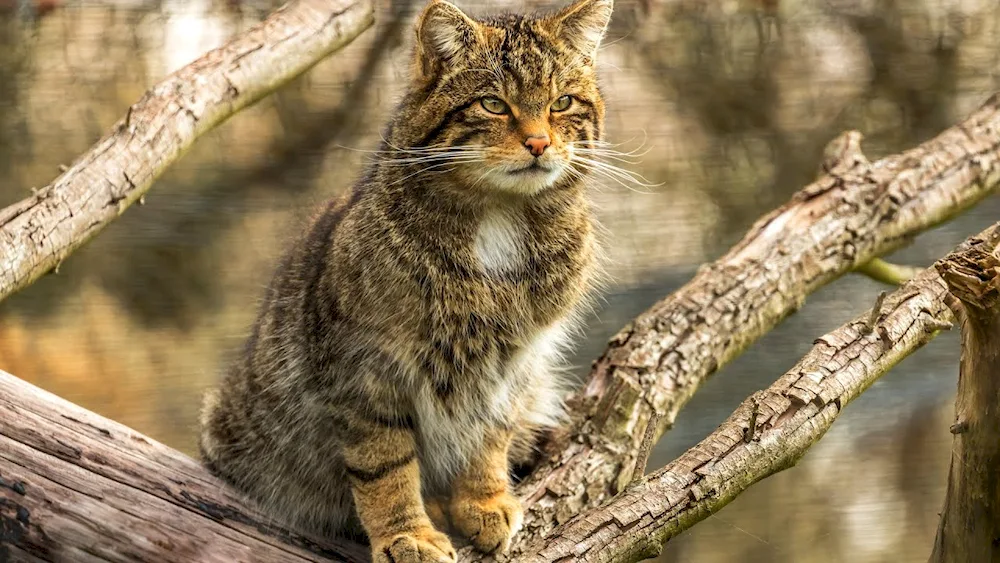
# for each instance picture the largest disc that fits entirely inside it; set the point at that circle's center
(733, 100)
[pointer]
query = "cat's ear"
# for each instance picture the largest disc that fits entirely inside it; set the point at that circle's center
(582, 25)
(444, 33)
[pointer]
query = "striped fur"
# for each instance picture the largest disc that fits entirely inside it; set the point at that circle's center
(408, 346)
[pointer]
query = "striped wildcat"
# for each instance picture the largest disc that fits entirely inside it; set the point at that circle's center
(407, 349)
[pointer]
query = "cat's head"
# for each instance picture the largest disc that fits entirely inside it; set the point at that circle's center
(508, 101)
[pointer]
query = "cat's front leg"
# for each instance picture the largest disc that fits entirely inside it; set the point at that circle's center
(481, 507)
(385, 481)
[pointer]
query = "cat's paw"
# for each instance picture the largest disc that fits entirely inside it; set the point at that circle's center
(424, 545)
(488, 523)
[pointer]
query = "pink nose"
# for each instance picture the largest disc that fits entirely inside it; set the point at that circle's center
(536, 145)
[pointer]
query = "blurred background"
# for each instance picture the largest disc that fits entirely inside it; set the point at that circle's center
(734, 101)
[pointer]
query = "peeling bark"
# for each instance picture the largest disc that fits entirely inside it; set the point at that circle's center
(969, 531)
(789, 417)
(857, 211)
(38, 233)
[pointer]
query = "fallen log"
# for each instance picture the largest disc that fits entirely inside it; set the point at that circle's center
(969, 531)
(77, 487)
(39, 232)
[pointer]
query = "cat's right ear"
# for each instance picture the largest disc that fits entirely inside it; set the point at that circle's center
(443, 33)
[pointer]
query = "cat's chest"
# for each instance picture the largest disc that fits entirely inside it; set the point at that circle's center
(529, 273)
(502, 242)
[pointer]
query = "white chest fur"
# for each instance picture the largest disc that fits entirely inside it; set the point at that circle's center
(500, 243)
(529, 391)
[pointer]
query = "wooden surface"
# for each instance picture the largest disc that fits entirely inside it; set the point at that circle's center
(38, 233)
(78, 487)
(969, 531)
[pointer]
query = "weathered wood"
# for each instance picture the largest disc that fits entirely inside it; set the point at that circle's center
(969, 531)
(790, 416)
(38, 233)
(858, 211)
(78, 487)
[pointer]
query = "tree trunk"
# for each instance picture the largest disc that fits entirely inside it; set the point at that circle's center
(969, 531)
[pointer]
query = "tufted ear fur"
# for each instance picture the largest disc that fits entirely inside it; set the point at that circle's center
(444, 32)
(582, 25)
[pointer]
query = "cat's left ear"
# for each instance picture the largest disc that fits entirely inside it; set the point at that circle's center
(444, 34)
(582, 25)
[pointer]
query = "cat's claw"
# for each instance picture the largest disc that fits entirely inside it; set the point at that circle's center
(425, 545)
(488, 523)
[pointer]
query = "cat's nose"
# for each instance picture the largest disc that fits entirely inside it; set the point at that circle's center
(536, 144)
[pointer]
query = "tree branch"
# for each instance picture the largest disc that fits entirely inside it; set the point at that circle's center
(887, 272)
(857, 212)
(790, 417)
(38, 233)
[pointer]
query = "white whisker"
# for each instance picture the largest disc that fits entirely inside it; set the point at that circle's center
(423, 170)
(620, 172)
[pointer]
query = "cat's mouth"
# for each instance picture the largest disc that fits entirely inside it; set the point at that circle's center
(534, 167)
(520, 177)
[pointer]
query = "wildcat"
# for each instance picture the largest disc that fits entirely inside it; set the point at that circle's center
(407, 347)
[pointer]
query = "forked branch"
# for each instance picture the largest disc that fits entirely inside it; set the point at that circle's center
(789, 417)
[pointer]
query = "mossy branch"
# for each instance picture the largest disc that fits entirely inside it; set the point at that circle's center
(887, 272)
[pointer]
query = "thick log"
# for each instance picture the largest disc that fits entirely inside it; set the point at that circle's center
(38, 233)
(852, 214)
(77, 487)
(774, 428)
(969, 531)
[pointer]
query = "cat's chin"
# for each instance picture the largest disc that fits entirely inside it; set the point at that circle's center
(528, 180)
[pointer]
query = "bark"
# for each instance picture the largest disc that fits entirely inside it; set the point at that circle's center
(774, 428)
(855, 212)
(38, 233)
(78, 487)
(969, 531)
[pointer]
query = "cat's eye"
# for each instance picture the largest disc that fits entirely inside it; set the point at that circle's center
(494, 105)
(562, 103)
